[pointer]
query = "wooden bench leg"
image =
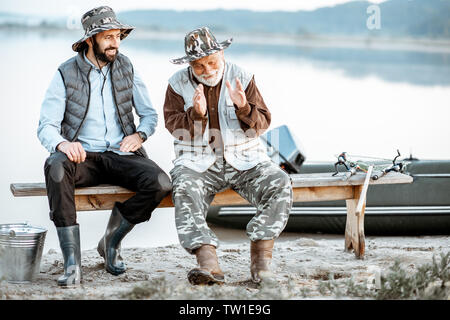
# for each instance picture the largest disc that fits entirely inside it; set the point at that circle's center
(354, 228)
(361, 235)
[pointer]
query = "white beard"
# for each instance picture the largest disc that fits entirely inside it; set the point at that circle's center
(215, 79)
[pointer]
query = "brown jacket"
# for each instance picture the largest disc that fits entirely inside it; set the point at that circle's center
(255, 115)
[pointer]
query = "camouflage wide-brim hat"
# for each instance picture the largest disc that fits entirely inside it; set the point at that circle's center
(98, 20)
(200, 43)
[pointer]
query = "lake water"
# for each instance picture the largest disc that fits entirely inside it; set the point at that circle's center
(365, 102)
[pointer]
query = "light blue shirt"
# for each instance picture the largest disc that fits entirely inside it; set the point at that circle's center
(101, 130)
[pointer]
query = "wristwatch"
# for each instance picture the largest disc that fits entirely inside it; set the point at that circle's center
(142, 135)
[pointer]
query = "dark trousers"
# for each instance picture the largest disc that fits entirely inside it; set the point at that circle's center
(133, 172)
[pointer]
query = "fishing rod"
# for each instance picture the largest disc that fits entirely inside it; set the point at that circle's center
(381, 169)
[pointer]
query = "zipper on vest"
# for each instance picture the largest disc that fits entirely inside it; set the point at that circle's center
(138, 151)
(87, 107)
(115, 101)
(117, 108)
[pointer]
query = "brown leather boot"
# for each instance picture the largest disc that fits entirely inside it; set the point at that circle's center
(261, 257)
(208, 271)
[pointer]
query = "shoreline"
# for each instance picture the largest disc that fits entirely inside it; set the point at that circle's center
(361, 42)
(303, 263)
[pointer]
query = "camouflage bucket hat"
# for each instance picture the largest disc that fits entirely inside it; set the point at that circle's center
(200, 43)
(98, 20)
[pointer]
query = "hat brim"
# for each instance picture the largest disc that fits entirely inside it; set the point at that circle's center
(188, 58)
(80, 45)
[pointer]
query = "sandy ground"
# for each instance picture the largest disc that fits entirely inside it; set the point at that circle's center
(301, 262)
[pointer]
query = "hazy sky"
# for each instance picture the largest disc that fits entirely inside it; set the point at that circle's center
(70, 7)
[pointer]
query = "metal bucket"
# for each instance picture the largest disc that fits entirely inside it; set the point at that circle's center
(21, 247)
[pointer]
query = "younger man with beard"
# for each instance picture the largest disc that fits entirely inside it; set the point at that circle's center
(215, 112)
(87, 125)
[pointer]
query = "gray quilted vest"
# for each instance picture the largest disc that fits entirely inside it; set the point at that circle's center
(75, 74)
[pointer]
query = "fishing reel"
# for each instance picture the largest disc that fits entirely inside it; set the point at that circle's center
(396, 167)
(351, 167)
(342, 161)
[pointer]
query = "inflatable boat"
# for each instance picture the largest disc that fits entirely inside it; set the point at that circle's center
(419, 208)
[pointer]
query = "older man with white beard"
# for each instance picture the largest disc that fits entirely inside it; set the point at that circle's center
(216, 113)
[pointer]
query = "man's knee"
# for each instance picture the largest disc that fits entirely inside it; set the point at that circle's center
(278, 177)
(158, 181)
(57, 166)
(284, 179)
(165, 185)
(189, 187)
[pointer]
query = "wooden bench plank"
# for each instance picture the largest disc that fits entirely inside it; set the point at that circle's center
(298, 181)
(38, 189)
(326, 179)
(306, 187)
(91, 202)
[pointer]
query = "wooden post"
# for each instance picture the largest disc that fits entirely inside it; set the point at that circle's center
(354, 228)
(351, 222)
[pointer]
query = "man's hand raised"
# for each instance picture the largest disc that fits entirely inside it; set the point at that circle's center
(199, 100)
(237, 94)
(73, 150)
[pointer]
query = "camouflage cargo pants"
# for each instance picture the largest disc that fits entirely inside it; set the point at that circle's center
(267, 187)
